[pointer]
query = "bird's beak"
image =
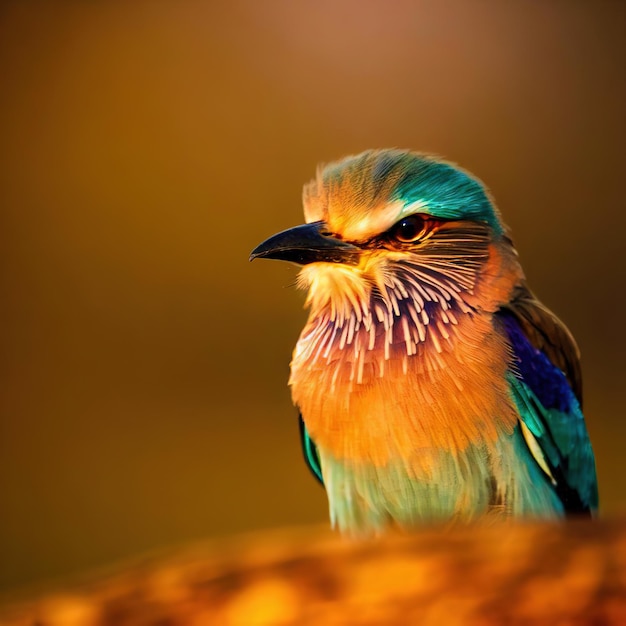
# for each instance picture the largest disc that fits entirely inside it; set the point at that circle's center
(307, 244)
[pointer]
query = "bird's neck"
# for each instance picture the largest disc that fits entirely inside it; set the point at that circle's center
(387, 372)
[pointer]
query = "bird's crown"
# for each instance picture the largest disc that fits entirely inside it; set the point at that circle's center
(362, 196)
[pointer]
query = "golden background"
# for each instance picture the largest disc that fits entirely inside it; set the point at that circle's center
(147, 147)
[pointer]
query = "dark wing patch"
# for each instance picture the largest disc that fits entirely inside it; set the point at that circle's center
(310, 452)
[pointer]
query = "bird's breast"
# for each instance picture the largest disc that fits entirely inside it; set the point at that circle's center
(366, 392)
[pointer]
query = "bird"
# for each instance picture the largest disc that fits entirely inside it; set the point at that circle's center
(431, 384)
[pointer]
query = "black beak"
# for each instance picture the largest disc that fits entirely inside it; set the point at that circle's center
(307, 244)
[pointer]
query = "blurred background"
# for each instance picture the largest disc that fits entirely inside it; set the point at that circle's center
(147, 147)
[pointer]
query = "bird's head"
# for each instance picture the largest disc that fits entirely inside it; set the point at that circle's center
(397, 229)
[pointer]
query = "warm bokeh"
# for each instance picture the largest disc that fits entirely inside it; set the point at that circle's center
(146, 147)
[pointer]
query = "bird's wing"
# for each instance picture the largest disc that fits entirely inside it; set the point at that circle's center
(546, 387)
(310, 451)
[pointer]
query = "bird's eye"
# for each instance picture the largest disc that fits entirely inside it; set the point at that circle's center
(409, 229)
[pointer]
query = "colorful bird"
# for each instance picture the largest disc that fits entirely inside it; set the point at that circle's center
(431, 383)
